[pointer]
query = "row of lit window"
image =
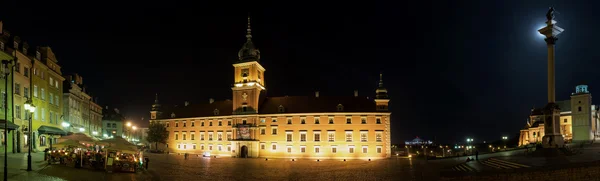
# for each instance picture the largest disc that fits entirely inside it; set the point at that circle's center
(210, 136)
(289, 136)
(363, 120)
(317, 149)
(210, 147)
(331, 136)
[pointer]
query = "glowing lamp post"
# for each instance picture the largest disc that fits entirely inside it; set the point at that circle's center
(29, 107)
(128, 126)
(134, 128)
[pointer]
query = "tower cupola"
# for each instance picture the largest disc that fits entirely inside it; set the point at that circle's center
(248, 53)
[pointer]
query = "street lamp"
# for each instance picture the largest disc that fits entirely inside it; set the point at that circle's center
(29, 107)
(64, 124)
(6, 72)
(134, 133)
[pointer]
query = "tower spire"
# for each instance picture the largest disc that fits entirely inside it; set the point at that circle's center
(156, 99)
(381, 92)
(381, 80)
(248, 52)
(249, 30)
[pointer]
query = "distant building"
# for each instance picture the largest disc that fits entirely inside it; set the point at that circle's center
(418, 141)
(142, 134)
(79, 109)
(579, 119)
(112, 123)
(76, 105)
(95, 118)
(254, 125)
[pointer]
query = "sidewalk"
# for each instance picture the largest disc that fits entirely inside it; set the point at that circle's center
(521, 162)
(17, 165)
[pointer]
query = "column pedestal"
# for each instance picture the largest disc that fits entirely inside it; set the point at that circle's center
(552, 136)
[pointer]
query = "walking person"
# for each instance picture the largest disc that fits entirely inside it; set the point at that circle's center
(477, 155)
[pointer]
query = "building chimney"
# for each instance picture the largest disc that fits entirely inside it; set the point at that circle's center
(316, 93)
(186, 103)
(211, 100)
(355, 93)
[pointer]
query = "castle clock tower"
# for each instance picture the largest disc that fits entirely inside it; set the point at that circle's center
(249, 79)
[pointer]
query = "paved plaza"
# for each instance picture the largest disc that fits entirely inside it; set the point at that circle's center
(175, 167)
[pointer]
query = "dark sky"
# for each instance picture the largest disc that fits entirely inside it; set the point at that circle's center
(454, 69)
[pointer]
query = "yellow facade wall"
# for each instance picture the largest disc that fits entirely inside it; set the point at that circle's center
(339, 128)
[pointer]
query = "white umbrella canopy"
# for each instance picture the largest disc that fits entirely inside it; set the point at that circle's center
(78, 137)
(119, 144)
(69, 143)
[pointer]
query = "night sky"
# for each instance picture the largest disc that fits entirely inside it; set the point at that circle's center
(453, 69)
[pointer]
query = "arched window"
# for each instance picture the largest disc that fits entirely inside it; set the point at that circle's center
(579, 108)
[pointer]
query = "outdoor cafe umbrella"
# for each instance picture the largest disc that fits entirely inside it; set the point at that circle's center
(119, 144)
(69, 143)
(78, 137)
(72, 143)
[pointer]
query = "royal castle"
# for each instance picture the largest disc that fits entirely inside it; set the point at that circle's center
(252, 124)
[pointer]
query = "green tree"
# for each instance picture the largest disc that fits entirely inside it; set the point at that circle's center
(157, 133)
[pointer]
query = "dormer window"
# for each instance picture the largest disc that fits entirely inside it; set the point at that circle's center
(172, 115)
(340, 107)
(24, 50)
(244, 108)
(216, 112)
(38, 55)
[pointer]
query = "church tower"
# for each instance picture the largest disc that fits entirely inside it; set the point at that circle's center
(581, 112)
(249, 79)
(381, 98)
(155, 112)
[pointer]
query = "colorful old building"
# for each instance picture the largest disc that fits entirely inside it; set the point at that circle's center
(37, 75)
(8, 52)
(47, 98)
(253, 124)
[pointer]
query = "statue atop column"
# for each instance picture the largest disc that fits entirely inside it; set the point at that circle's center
(550, 14)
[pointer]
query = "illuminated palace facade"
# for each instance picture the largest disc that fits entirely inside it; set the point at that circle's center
(579, 119)
(254, 125)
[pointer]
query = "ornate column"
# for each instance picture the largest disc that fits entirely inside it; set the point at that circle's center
(552, 136)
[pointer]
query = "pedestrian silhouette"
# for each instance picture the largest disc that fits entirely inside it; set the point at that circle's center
(477, 155)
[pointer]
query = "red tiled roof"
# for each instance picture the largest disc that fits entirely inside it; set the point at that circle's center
(270, 105)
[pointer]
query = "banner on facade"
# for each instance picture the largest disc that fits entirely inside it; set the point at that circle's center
(243, 132)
